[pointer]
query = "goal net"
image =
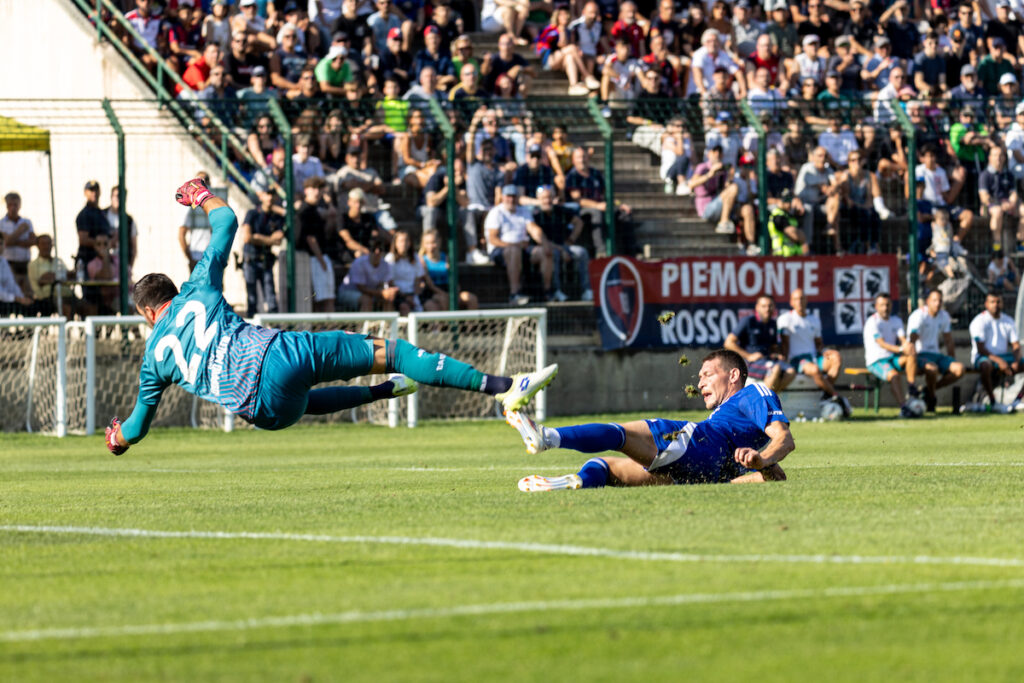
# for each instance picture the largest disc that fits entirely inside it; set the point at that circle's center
(32, 378)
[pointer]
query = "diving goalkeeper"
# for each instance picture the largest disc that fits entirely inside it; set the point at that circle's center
(267, 376)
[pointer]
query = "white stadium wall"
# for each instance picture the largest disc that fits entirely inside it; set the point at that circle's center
(50, 52)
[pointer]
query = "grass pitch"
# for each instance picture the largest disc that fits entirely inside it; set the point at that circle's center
(894, 552)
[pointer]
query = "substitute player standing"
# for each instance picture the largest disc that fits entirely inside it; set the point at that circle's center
(925, 326)
(742, 441)
(266, 376)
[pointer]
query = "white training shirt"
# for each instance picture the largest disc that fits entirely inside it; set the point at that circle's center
(890, 331)
(929, 329)
(706, 64)
(998, 335)
(511, 227)
(7, 227)
(802, 331)
(405, 273)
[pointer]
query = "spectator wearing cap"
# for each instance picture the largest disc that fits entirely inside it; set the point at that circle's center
(807, 64)
(395, 61)
(876, 72)
(706, 60)
(18, 238)
(240, 61)
(505, 16)
(261, 230)
(532, 175)
(723, 134)
(848, 64)
(334, 71)
(505, 62)
(817, 188)
(993, 65)
(432, 56)
(628, 27)
(562, 228)
(714, 192)
(286, 62)
(969, 92)
(900, 29)
(90, 223)
(510, 228)
(1004, 104)
(997, 192)
(1015, 143)
(957, 55)
(252, 24)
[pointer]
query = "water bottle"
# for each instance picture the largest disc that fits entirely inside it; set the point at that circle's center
(80, 271)
(60, 273)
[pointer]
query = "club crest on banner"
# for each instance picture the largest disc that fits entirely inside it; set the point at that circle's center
(622, 299)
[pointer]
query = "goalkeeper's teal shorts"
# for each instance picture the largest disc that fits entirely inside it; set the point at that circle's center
(296, 361)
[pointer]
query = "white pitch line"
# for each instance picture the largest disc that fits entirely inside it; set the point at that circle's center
(540, 548)
(352, 617)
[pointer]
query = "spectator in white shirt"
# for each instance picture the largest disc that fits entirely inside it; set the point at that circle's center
(708, 57)
(888, 351)
(18, 237)
(995, 346)
(304, 165)
(509, 228)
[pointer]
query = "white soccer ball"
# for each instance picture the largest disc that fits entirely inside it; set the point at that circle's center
(916, 407)
(831, 411)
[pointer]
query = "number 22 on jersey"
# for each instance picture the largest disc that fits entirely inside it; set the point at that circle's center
(202, 334)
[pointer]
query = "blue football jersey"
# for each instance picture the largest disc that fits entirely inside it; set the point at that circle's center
(200, 343)
(705, 455)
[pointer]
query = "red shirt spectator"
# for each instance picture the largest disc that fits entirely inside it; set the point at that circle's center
(633, 33)
(198, 72)
(763, 57)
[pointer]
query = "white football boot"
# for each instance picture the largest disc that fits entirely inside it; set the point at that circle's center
(536, 483)
(525, 386)
(528, 429)
(403, 386)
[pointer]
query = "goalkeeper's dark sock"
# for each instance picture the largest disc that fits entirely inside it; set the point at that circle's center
(594, 473)
(438, 370)
(590, 438)
(382, 390)
(332, 399)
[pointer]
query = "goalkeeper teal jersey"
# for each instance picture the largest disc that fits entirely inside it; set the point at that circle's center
(200, 343)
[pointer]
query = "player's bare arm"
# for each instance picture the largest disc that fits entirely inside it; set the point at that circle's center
(778, 448)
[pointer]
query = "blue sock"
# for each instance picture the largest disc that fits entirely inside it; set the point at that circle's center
(594, 473)
(592, 438)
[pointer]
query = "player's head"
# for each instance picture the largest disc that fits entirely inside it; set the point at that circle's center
(933, 302)
(883, 305)
(994, 305)
(152, 292)
(764, 307)
(722, 374)
(798, 301)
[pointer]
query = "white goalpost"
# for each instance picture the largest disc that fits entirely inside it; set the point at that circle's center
(48, 365)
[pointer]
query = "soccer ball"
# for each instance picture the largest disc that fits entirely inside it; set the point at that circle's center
(831, 411)
(915, 407)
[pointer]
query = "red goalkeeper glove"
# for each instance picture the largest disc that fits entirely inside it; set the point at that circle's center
(112, 445)
(193, 193)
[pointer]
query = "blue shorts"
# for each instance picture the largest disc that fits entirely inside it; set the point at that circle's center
(760, 368)
(713, 210)
(1008, 357)
(881, 368)
(940, 359)
(689, 461)
(798, 361)
(295, 361)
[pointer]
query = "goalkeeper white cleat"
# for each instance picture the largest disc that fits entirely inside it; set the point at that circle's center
(535, 483)
(528, 429)
(403, 386)
(525, 386)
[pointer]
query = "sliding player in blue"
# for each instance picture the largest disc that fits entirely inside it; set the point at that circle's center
(266, 376)
(742, 441)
